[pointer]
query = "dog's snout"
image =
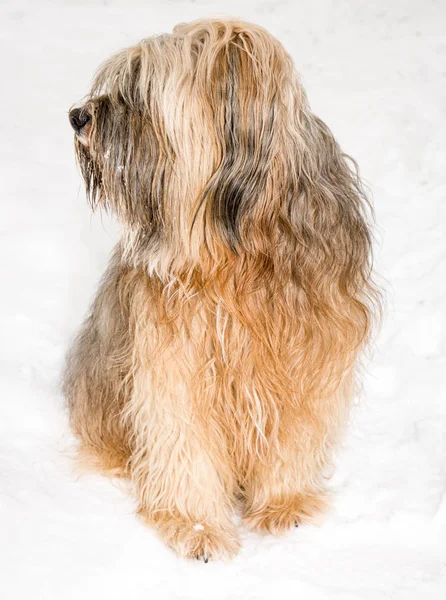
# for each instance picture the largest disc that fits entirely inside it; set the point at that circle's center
(79, 117)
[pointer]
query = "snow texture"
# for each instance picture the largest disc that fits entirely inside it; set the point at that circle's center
(375, 72)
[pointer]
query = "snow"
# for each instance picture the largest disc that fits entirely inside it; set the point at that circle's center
(375, 73)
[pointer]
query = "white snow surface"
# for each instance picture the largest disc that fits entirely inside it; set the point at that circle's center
(376, 73)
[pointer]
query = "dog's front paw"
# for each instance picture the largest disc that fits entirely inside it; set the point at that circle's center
(281, 514)
(199, 540)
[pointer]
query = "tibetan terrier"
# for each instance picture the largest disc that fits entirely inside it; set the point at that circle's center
(218, 362)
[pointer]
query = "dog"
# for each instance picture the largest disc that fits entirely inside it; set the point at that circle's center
(221, 354)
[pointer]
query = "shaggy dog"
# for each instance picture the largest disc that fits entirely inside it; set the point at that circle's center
(219, 359)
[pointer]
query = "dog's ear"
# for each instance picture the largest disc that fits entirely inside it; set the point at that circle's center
(243, 111)
(325, 222)
(326, 208)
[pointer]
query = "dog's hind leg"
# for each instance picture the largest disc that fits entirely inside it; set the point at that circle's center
(287, 488)
(98, 382)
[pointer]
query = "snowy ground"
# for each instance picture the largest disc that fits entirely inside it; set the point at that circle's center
(375, 71)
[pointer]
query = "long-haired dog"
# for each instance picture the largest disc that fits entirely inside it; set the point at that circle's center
(217, 364)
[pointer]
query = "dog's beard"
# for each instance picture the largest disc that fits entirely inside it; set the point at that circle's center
(123, 165)
(92, 175)
(119, 162)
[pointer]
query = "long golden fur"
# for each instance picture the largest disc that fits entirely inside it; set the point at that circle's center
(219, 359)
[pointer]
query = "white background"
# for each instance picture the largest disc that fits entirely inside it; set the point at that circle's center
(376, 73)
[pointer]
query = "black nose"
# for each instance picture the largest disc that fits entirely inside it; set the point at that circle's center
(79, 118)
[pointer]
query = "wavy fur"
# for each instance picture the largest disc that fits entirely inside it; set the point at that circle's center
(220, 356)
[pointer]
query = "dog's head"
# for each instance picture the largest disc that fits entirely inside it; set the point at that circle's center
(182, 132)
(202, 142)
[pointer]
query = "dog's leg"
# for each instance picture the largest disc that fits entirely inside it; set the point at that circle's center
(97, 380)
(287, 488)
(180, 468)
